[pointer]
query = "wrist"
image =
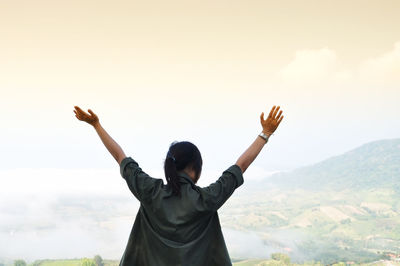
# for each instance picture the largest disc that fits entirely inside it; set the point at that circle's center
(96, 124)
(268, 133)
(264, 136)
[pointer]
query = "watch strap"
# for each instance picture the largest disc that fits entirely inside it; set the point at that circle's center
(264, 136)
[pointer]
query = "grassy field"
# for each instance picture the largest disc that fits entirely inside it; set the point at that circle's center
(328, 226)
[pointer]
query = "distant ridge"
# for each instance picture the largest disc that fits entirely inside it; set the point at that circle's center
(371, 165)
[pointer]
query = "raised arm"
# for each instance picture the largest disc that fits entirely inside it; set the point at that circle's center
(110, 144)
(269, 126)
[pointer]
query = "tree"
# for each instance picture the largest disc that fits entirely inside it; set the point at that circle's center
(281, 257)
(98, 260)
(88, 262)
(19, 263)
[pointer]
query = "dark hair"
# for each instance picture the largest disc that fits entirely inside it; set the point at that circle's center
(180, 155)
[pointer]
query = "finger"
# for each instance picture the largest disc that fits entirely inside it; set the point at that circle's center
(90, 111)
(279, 121)
(272, 110)
(275, 111)
(80, 116)
(279, 114)
(80, 110)
(262, 117)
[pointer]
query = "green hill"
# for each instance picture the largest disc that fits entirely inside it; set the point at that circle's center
(374, 164)
(345, 208)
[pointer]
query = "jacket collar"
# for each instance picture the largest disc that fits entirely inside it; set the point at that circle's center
(185, 177)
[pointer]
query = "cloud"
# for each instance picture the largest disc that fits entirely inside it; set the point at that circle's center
(382, 69)
(322, 66)
(313, 67)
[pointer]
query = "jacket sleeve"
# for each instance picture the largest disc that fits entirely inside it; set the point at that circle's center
(216, 194)
(142, 186)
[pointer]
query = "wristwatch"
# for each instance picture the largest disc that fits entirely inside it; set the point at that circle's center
(264, 136)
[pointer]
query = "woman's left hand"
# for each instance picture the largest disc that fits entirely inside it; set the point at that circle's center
(91, 118)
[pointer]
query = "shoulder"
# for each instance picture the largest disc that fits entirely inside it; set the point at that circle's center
(127, 161)
(234, 171)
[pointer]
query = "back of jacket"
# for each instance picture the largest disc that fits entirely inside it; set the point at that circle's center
(173, 230)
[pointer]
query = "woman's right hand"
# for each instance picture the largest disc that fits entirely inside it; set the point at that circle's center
(272, 122)
(91, 118)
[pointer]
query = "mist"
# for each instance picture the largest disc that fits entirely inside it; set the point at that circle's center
(72, 213)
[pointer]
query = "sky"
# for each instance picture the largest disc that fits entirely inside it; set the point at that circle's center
(203, 71)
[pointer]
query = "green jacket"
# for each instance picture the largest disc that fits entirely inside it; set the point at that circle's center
(172, 230)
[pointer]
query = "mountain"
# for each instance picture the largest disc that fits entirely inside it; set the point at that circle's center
(344, 208)
(374, 164)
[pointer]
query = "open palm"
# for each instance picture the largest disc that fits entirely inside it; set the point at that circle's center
(91, 118)
(272, 122)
